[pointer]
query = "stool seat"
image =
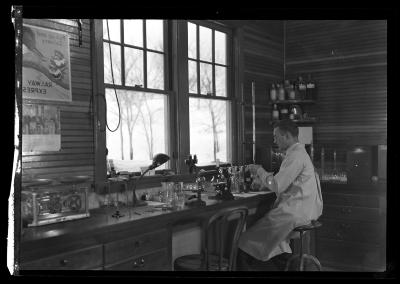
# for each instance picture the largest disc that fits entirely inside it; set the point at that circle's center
(196, 262)
(313, 225)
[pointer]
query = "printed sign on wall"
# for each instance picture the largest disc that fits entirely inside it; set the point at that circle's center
(46, 69)
(40, 128)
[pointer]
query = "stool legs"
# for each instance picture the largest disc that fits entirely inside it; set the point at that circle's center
(302, 256)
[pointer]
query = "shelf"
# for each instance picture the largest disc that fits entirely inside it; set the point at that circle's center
(299, 121)
(288, 102)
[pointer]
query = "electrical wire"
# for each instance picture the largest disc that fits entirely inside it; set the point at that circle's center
(115, 91)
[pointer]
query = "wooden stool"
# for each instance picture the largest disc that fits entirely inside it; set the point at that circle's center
(301, 256)
(207, 261)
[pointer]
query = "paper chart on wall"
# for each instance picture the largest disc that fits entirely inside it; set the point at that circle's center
(40, 128)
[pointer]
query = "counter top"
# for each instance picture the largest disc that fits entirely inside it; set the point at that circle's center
(101, 219)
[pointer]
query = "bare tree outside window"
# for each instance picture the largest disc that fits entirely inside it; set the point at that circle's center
(208, 116)
(142, 113)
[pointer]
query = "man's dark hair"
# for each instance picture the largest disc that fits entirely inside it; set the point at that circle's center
(287, 126)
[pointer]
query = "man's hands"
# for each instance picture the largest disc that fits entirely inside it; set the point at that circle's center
(252, 168)
(259, 176)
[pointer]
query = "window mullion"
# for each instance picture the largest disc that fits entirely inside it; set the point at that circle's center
(144, 55)
(122, 53)
(214, 93)
(198, 58)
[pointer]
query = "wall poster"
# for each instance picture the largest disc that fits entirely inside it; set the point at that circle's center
(41, 129)
(46, 69)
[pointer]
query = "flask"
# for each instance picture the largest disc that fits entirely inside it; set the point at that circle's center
(310, 89)
(281, 92)
(302, 88)
(275, 113)
(272, 93)
(247, 181)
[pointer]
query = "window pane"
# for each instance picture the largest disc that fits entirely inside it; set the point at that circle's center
(206, 84)
(220, 47)
(205, 44)
(220, 81)
(192, 77)
(208, 130)
(133, 67)
(192, 44)
(154, 34)
(133, 32)
(142, 132)
(114, 27)
(116, 63)
(155, 70)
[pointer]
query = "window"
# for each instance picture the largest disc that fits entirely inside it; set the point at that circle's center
(136, 92)
(209, 98)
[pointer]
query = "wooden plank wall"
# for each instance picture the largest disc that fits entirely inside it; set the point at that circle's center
(348, 61)
(77, 133)
(263, 65)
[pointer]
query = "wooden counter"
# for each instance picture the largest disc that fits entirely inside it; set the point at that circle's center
(140, 240)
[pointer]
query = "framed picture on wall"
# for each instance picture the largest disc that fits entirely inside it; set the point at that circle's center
(46, 68)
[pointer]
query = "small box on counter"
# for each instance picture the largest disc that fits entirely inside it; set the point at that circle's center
(51, 204)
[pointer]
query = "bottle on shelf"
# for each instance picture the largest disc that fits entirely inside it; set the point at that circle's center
(301, 85)
(310, 88)
(275, 113)
(272, 93)
(284, 112)
(286, 86)
(291, 115)
(281, 92)
(292, 92)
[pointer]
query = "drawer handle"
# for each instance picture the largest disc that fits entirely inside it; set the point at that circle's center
(339, 236)
(346, 210)
(345, 226)
(64, 262)
(138, 263)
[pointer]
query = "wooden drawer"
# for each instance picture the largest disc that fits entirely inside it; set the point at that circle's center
(353, 200)
(135, 246)
(157, 260)
(351, 213)
(363, 232)
(88, 258)
(349, 254)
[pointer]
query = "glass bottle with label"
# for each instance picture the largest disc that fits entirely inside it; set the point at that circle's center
(301, 88)
(310, 86)
(281, 93)
(275, 113)
(272, 93)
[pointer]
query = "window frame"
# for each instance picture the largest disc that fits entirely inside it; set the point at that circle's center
(230, 95)
(176, 90)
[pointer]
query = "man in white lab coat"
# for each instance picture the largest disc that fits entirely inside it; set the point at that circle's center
(299, 200)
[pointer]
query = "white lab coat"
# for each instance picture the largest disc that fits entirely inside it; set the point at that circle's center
(299, 200)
